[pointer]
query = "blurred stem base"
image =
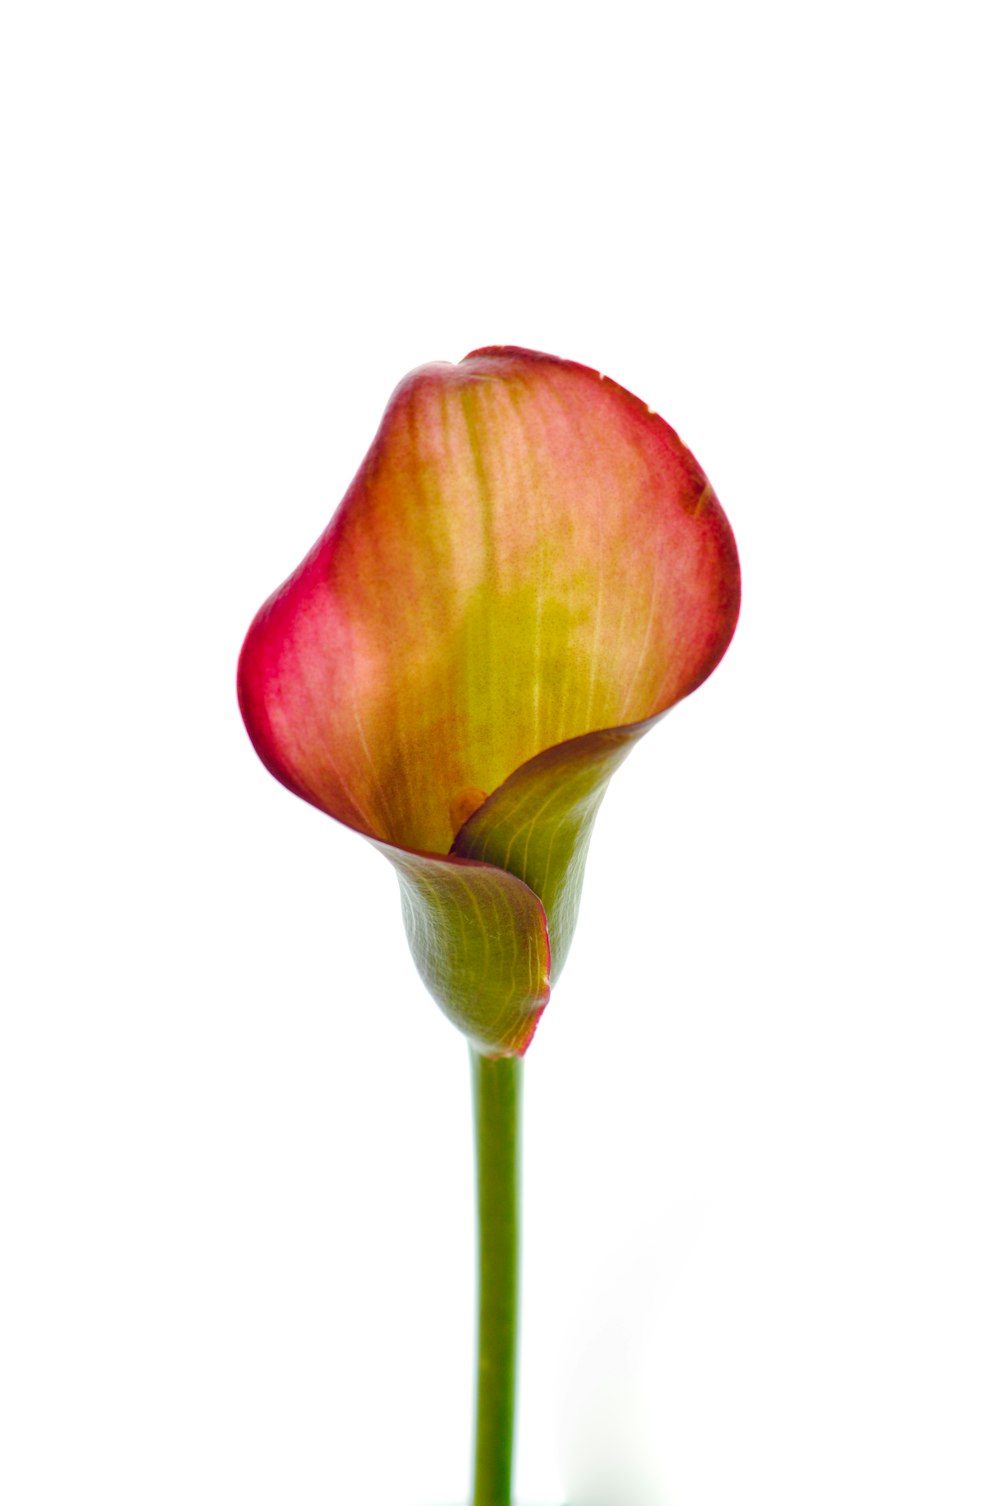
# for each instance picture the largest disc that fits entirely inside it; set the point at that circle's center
(496, 1098)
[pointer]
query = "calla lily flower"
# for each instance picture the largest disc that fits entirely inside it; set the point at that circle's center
(529, 569)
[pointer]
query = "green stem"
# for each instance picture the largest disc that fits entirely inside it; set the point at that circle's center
(496, 1096)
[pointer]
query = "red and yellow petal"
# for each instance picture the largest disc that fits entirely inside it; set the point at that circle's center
(527, 557)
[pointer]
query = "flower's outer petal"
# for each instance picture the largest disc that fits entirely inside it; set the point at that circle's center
(480, 942)
(527, 570)
(537, 825)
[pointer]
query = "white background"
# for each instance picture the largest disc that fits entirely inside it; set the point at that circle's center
(761, 1196)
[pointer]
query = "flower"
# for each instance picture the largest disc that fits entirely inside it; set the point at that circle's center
(528, 570)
